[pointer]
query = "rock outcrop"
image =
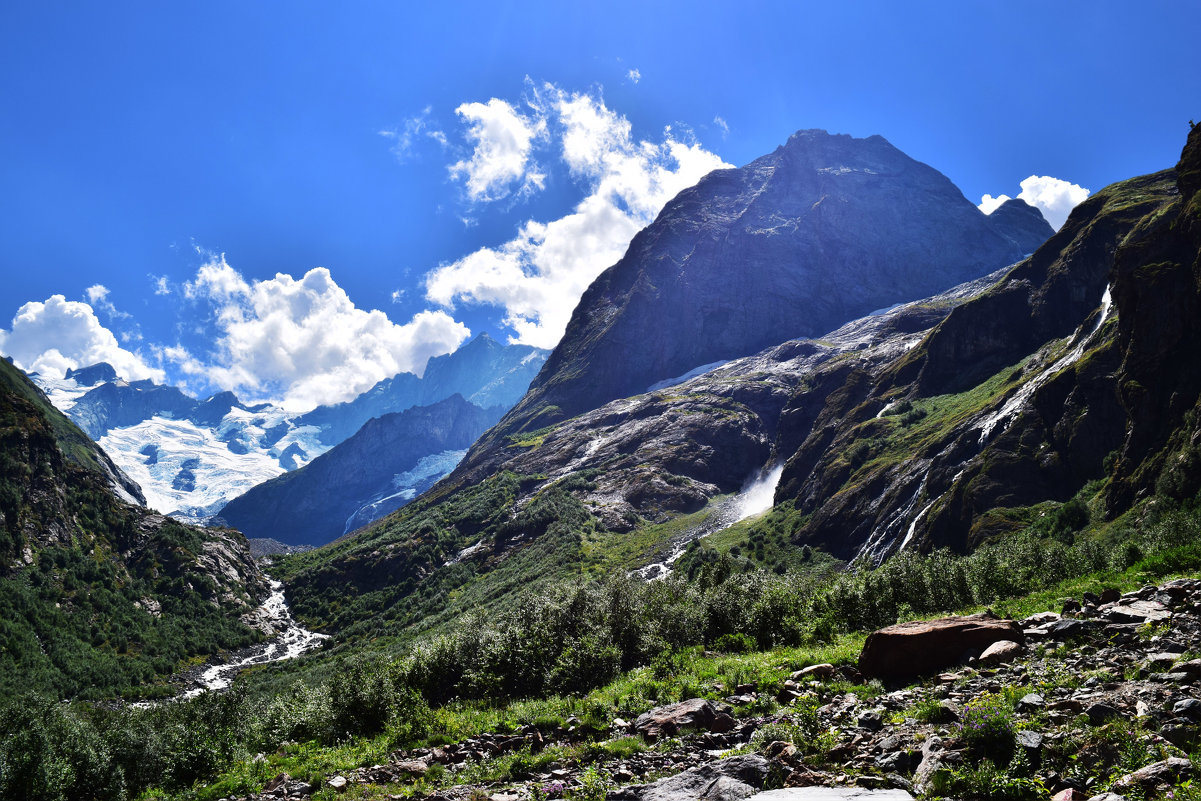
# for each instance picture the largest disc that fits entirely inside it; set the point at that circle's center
(695, 714)
(924, 647)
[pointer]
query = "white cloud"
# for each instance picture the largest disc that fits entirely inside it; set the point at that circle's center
(58, 334)
(96, 293)
(721, 123)
(539, 276)
(161, 285)
(407, 137)
(634, 76)
(1054, 197)
(303, 342)
(988, 204)
(397, 294)
(502, 141)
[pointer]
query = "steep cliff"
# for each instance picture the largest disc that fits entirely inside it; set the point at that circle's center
(824, 230)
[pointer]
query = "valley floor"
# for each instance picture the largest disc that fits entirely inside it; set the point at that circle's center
(1105, 699)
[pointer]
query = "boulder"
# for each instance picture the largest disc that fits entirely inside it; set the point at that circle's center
(726, 780)
(1070, 794)
(1157, 775)
(1189, 709)
(1138, 612)
(1099, 714)
(696, 714)
(1000, 652)
(823, 671)
(924, 647)
(832, 794)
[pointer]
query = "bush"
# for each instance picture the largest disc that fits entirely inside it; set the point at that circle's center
(986, 726)
(734, 644)
(588, 662)
(801, 727)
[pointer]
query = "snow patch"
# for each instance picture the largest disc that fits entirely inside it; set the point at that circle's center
(693, 373)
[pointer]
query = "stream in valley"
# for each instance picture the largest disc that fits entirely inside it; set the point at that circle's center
(755, 498)
(291, 641)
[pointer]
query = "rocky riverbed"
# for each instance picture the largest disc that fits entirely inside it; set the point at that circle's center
(1100, 700)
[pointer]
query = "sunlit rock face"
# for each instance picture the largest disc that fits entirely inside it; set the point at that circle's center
(826, 229)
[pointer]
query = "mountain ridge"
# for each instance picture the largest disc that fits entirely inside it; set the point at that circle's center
(821, 231)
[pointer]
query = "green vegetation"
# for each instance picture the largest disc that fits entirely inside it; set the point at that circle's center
(95, 601)
(593, 650)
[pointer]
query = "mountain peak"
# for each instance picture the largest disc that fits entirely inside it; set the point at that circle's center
(821, 231)
(92, 375)
(1022, 222)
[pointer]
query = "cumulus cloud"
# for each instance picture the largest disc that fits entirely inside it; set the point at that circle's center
(303, 342)
(502, 140)
(1054, 197)
(162, 286)
(539, 275)
(634, 76)
(50, 337)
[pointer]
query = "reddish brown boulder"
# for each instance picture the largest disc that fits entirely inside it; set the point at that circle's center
(908, 650)
(696, 714)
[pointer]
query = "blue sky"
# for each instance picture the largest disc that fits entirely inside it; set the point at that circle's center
(178, 172)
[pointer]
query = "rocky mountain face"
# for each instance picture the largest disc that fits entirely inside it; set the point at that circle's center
(98, 594)
(387, 463)
(670, 451)
(823, 231)
(193, 456)
(945, 421)
(1074, 367)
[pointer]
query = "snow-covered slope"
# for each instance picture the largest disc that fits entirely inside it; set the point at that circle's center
(190, 468)
(191, 457)
(189, 472)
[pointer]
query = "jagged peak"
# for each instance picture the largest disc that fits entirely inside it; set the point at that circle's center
(92, 374)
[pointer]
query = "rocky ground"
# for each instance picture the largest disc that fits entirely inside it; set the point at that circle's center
(1099, 701)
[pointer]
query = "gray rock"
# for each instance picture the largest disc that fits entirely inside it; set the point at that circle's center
(730, 779)
(871, 720)
(1000, 653)
(1189, 709)
(1031, 702)
(695, 714)
(1066, 629)
(1155, 776)
(1138, 612)
(1101, 713)
(823, 671)
(894, 762)
(832, 794)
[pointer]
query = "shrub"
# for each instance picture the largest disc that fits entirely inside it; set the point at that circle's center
(802, 727)
(734, 644)
(986, 726)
